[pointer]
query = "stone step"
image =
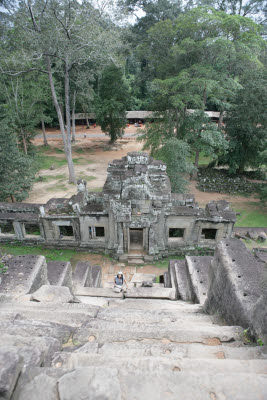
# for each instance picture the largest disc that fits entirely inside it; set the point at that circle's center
(151, 293)
(135, 261)
(81, 275)
(152, 317)
(90, 309)
(198, 268)
(59, 273)
(29, 355)
(156, 304)
(109, 383)
(104, 332)
(182, 279)
(97, 292)
(30, 328)
(149, 364)
(189, 385)
(47, 345)
(59, 317)
(192, 350)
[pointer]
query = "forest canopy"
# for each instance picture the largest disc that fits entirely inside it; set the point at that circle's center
(61, 57)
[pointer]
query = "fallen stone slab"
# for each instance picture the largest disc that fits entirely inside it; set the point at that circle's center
(36, 328)
(10, 367)
(53, 294)
(59, 273)
(151, 293)
(95, 382)
(25, 275)
(38, 383)
(46, 345)
(28, 354)
(96, 276)
(81, 277)
(97, 292)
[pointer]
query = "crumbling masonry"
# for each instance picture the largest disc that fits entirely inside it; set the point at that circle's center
(135, 215)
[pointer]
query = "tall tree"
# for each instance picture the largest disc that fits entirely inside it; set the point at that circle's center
(16, 169)
(112, 101)
(246, 124)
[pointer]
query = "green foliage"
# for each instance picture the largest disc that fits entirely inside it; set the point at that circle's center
(3, 268)
(246, 125)
(263, 194)
(16, 169)
(111, 102)
(175, 153)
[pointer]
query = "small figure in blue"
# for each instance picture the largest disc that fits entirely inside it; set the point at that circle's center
(119, 282)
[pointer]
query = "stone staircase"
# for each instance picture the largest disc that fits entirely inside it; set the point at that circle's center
(127, 349)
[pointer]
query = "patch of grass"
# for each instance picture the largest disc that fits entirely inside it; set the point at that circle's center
(58, 151)
(203, 160)
(58, 186)
(79, 150)
(50, 254)
(95, 189)
(45, 162)
(251, 217)
(164, 263)
(87, 178)
(80, 161)
(49, 178)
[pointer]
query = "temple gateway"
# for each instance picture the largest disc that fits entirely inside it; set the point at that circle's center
(136, 216)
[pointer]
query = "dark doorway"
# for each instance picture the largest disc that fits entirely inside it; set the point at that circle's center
(136, 240)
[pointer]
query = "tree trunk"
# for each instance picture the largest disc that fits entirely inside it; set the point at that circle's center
(194, 176)
(56, 103)
(220, 120)
(73, 116)
(12, 198)
(44, 133)
(66, 141)
(87, 122)
(72, 178)
(24, 142)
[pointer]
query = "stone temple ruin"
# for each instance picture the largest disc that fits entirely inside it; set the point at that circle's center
(200, 333)
(135, 217)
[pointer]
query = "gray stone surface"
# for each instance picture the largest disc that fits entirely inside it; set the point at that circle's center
(96, 276)
(182, 279)
(159, 386)
(235, 279)
(95, 301)
(259, 318)
(151, 363)
(81, 275)
(174, 283)
(151, 293)
(198, 281)
(167, 280)
(25, 275)
(53, 294)
(90, 383)
(97, 292)
(141, 277)
(10, 367)
(59, 273)
(36, 328)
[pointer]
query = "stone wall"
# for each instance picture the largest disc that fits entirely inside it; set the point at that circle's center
(236, 291)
